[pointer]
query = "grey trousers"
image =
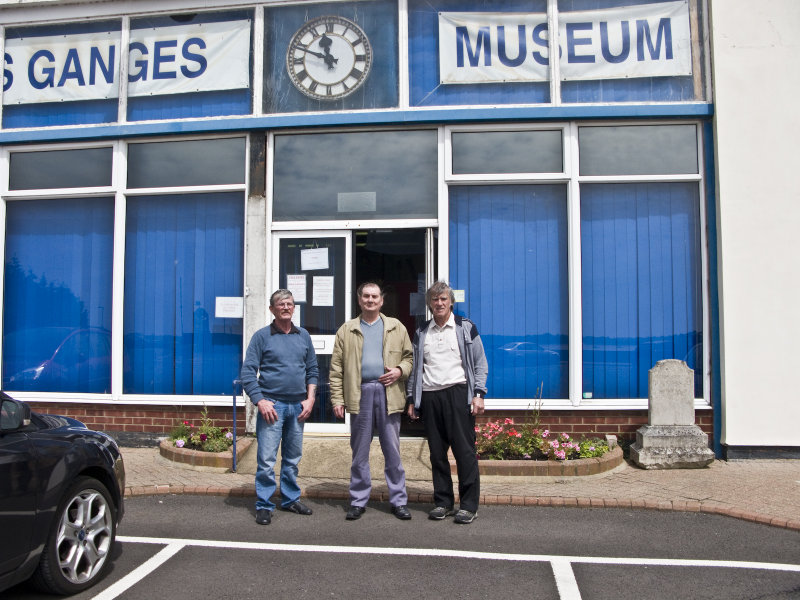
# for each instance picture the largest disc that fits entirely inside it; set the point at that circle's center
(372, 418)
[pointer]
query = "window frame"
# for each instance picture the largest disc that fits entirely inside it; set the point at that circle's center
(121, 193)
(572, 178)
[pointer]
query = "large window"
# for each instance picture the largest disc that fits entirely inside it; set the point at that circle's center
(359, 175)
(181, 253)
(642, 295)
(94, 307)
(508, 250)
(57, 301)
(584, 268)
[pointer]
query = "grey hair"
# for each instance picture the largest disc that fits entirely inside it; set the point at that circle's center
(280, 295)
(437, 289)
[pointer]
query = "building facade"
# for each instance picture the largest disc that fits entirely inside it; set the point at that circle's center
(166, 165)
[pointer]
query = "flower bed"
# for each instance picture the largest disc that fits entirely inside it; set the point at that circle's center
(206, 436)
(550, 468)
(216, 462)
(506, 440)
(203, 447)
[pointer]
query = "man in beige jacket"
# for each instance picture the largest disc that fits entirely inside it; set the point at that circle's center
(372, 358)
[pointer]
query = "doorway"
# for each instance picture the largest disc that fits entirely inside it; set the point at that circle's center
(323, 269)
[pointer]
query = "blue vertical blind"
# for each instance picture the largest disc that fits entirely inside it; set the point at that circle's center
(181, 253)
(508, 251)
(641, 280)
(57, 295)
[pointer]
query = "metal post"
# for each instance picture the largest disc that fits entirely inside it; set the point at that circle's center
(236, 382)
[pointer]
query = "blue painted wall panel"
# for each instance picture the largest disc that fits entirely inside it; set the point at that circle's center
(379, 22)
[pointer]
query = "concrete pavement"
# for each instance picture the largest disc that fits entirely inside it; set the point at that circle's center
(764, 491)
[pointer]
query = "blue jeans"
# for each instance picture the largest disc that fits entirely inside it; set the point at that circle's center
(287, 432)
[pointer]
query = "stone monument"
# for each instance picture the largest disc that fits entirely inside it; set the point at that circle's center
(671, 439)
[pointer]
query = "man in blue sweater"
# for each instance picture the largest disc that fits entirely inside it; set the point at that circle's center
(280, 376)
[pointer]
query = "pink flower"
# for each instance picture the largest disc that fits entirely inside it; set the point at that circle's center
(545, 433)
(229, 435)
(180, 443)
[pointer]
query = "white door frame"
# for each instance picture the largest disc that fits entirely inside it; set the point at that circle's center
(323, 344)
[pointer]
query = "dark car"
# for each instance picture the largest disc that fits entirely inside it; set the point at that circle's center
(61, 489)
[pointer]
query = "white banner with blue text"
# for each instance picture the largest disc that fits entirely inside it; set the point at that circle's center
(199, 57)
(649, 40)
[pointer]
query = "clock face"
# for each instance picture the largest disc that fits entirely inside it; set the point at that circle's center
(329, 58)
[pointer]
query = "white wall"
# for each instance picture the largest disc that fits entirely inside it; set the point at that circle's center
(755, 54)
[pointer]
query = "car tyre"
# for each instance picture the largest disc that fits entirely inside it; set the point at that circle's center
(76, 554)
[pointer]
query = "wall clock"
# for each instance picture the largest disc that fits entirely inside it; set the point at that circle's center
(329, 58)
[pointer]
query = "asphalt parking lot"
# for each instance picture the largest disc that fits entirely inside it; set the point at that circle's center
(184, 546)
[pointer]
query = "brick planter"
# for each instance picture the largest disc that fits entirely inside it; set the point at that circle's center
(215, 462)
(550, 468)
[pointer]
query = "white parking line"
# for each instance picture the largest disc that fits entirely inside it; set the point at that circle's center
(140, 572)
(561, 565)
(565, 580)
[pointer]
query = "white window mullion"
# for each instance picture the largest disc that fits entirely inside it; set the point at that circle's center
(574, 267)
(118, 276)
(443, 214)
(704, 269)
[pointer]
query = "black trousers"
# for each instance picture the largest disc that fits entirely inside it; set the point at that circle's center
(450, 424)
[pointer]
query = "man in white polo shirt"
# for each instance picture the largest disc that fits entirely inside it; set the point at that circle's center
(447, 387)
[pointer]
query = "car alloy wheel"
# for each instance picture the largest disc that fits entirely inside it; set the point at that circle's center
(81, 540)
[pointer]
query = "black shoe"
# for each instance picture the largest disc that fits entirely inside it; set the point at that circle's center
(440, 512)
(465, 517)
(401, 512)
(263, 516)
(354, 513)
(298, 508)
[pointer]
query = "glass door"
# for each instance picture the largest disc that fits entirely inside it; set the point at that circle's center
(323, 270)
(316, 266)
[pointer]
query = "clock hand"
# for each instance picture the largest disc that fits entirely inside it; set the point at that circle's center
(325, 43)
(329, 60)
(307, 51)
